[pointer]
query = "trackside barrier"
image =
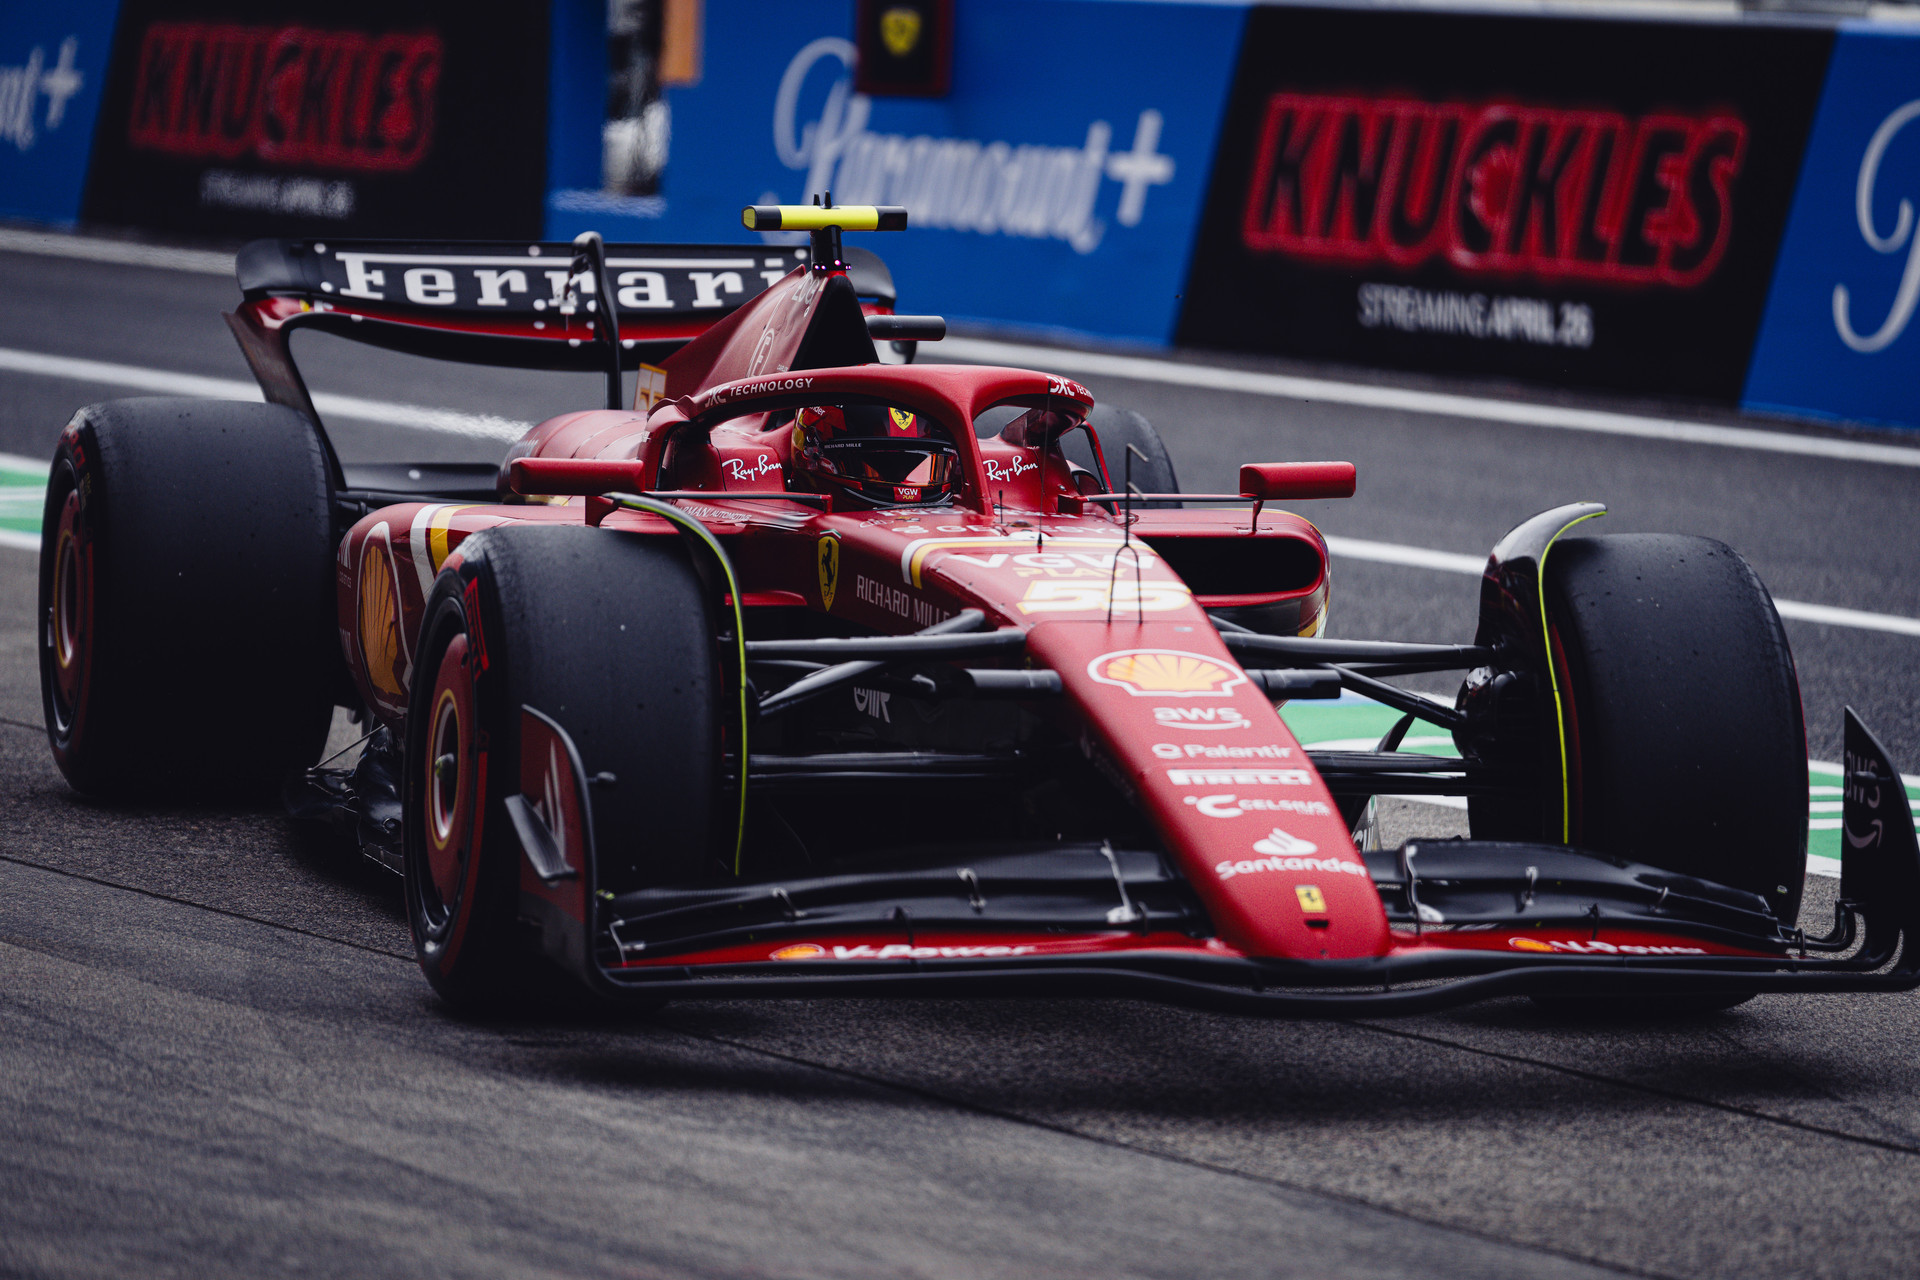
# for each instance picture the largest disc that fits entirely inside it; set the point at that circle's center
(313, 117)
(1571, 200)
(1841, 338)
(1723, 210)
(1056, 186)
(53, 67)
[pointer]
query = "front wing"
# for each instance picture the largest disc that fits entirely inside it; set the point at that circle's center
(1472, 920)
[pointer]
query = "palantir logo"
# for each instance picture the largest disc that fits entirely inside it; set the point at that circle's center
(23, 88)
(1901, 236)
(959, 184)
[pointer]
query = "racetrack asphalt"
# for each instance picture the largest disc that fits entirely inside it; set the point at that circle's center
(217, 1058)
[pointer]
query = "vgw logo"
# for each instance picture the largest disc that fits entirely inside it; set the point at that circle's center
(958, 184)
(1900, 237)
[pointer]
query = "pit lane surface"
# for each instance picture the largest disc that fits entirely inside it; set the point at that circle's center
(218, 1059)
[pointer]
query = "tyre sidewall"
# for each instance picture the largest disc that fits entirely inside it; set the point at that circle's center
(1686, 743)
(467, 950)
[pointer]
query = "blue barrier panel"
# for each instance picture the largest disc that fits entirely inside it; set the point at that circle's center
(1839, 338)
(53, 63)
(1057, 187)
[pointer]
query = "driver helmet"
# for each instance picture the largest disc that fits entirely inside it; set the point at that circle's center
(883, 456)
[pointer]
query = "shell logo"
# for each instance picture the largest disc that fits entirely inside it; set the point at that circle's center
(799, 951)
(1528, 944)
(1165, 673)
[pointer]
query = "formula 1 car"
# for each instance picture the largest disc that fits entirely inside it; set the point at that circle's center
(803, 672)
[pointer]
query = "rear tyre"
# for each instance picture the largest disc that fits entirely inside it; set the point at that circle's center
(1118, 428)
(186, 599)
(609, 634)
(1686, 746)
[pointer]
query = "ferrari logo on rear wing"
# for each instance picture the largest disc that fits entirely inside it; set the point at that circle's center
(522, 281)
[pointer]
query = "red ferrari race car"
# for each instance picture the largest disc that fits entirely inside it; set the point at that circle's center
(807, 672)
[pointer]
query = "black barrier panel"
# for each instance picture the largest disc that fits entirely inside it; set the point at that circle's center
(324, 117)
(1578, 202)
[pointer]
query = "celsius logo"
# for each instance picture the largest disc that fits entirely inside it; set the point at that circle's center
(1009, 470)
(1494, 187)
(1200, 718)
(1901, 236)
(1232, 806)
(958, 184)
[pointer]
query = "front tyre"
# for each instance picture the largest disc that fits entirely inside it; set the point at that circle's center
(609, 634)
(1686, 747)
(1117, 428)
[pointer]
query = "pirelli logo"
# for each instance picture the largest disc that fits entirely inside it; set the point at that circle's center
(1239, 777)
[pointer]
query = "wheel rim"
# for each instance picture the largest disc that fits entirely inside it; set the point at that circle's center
(449, 786)
(70, 614)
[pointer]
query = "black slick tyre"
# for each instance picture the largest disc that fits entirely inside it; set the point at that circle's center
(186, 640)
(1686, 746)
(611, 636)
(1117, 428)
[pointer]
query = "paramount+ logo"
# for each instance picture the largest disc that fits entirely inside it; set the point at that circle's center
(1495, 187)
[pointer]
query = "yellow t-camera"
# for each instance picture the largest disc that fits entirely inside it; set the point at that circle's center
(813, 217)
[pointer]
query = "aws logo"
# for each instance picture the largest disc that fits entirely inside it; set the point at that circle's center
(1201, 717)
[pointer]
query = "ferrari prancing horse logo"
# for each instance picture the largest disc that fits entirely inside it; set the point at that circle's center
(829, 570)
(900, 29)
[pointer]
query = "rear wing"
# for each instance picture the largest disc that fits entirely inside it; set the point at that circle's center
(507, 303)
(500, 303)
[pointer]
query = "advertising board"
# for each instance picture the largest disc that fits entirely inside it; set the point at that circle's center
(1840, 337)
(1056, 185)
(323, 117)
(53, 62)
(1585, 202)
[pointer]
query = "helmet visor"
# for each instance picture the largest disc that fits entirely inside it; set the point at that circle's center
(894, 470)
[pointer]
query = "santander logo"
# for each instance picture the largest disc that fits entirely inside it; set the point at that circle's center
(1901, 236)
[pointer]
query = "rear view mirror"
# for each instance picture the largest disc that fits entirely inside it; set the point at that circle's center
(1281, 481)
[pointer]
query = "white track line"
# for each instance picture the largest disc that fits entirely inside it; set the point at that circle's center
(1452, 562)
(163, 382)
(1170, 372)
(1404, 400)
(422, 418)
(120, 252)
